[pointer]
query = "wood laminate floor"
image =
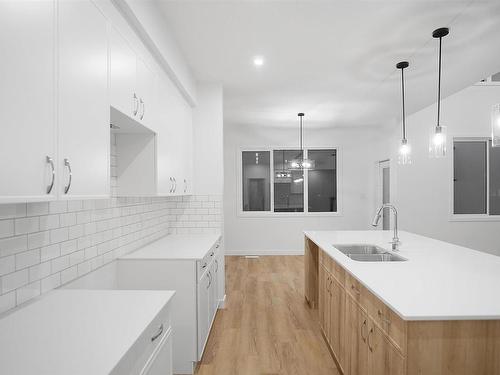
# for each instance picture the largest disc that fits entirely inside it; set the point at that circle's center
(266, 327)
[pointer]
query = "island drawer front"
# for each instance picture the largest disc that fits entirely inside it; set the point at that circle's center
(333, 267)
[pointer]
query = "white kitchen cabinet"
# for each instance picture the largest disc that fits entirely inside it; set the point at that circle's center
(27, 100)
(204, 299)
(175, 141)
(84, 113)
(160, 362)
(122, 75)
(147, 92)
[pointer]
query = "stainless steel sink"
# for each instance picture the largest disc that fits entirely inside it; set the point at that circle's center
(368, 253)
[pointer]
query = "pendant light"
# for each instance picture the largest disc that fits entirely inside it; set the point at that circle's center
(283, 175)
(301, 163)
(495, 125)
(437, 142)
(404, 152)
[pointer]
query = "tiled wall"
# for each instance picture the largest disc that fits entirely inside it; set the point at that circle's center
(44, 245)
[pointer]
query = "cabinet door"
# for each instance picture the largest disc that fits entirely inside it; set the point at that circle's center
(337, 314)
(212, 298)
(147, 93)
(186, 152)
(356, 339)
(203, 312)
(160, 362)
(83, 101)
(167, 140)
(123, 71)
(27, 100)
(384, 358)
(322, 296)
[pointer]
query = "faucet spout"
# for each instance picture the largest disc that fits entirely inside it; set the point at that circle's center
(395, 239)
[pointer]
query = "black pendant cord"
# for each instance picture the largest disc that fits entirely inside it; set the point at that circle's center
(439, 82)
(301, 115)
(403, 94)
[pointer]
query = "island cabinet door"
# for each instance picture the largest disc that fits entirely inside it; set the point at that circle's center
(337, 321)
(356, 337)
(384, 357)
(324, 299)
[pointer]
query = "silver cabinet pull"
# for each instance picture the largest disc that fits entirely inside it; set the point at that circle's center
(51, 185)
(209, 279)
(369, 341)
(204, 266)
(217, 246)
(363, 326)
(141, 102)
(171, 185)
(175, 184)
(68, 165)
(383, 318)
(185, 185)
(355, 290)
(217, 264)
(136, 105)
(158, 333)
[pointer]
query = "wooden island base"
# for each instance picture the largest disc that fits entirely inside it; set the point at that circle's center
(366, 337)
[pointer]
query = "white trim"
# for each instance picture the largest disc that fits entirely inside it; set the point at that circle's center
(255, 214)
(472, 218)
(222, 303)
(263, 252)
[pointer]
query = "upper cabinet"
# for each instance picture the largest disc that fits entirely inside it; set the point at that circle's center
(133, 85)
(27, 97)
(84, 112)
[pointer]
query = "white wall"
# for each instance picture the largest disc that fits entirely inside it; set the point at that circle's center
(422, 191)
(208, 140)
(283, 235)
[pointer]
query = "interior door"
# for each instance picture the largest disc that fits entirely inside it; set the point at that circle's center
(83, 101)
(356, 339)
(385, 359)
(27, 97)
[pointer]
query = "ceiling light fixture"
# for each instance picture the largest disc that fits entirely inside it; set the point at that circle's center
(495, 125)
(300, 162)
(404, 156)
(437, 143)
(258, 61)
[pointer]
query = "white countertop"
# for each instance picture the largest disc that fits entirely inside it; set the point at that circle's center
(440, 281)
(76, 331)
(176, 246)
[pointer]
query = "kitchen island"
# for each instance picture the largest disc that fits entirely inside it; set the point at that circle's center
(436, 312)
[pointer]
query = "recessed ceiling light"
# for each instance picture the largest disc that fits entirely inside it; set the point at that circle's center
(258, 61)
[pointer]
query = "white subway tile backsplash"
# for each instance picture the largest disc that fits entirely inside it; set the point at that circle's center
(27, 292)
(27, 258)
(12, 210)
(64, 240)
(37, 208)
(14, 280)
(27, 225)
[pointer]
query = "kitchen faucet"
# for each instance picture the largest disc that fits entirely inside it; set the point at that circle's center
(395, 239)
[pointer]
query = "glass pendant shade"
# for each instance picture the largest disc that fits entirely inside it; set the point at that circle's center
(404, 153)
(299, 164)
(495, 125)
(437, 142)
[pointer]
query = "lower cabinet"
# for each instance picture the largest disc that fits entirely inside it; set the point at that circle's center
(359, 344)
(160, 362)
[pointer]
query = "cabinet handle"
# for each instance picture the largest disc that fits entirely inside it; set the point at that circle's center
(171, 185)
(209, 279)
(217, 246)
(369, 341)
(175, 184)
(331, 290)
(212, 253)
(217, 264)
(136, 105)
(185, 185)
(157, 334)
(204, 266)
(68, 165)
(363, 326)
(383, 318)
(51, 185)
(356, 290)
(141, 102)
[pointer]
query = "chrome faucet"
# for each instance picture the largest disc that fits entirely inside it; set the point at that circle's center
(395, 239)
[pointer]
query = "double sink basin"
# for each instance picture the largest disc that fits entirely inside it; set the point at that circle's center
(368, 253)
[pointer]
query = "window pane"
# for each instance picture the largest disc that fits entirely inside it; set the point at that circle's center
(469, 161)
(322, 181)
(494, 180)
(256, 167)
(288, 184)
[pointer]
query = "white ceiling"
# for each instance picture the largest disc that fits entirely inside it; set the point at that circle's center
(334, 60)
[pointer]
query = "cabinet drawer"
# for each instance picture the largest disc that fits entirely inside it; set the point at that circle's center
(333, 267)
(390, 323)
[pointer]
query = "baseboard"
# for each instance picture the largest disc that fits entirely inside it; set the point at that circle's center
(264, 252)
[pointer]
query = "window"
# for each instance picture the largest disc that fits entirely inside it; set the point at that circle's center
(476, 178)
(269, 185)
